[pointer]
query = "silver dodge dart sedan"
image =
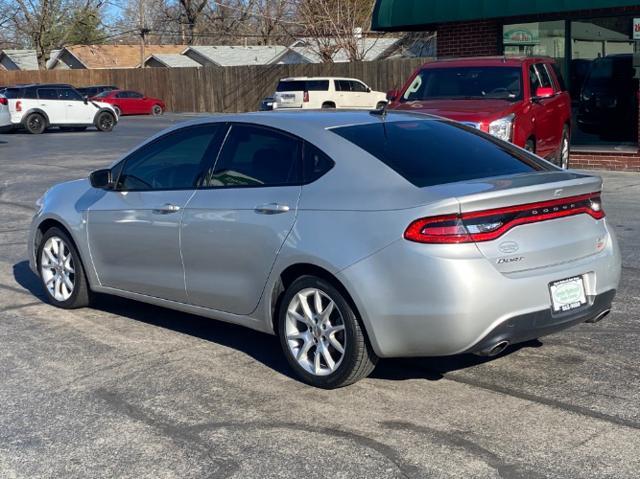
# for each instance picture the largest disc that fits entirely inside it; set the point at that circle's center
(350, 235)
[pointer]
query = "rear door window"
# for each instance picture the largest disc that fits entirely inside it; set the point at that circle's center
(433, 152)
(316, 163)
(256, 156)
(48, 93)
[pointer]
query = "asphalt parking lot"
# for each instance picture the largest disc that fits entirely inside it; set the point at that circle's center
(129, 390)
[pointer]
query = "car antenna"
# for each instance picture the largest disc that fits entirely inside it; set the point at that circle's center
(382, 114)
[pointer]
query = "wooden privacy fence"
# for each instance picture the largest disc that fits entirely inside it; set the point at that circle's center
(220, 89)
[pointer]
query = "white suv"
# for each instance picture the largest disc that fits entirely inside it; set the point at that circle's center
(5, 116)
(326, 92)
(38, 107)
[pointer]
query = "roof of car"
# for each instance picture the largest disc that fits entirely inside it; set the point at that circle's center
(487, 61)
(316, 119)
(317, 78)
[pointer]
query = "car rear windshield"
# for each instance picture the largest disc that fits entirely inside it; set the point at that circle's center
(103, 94)
(466, 83)
(604, 71)
(434, 152)
(303, 85)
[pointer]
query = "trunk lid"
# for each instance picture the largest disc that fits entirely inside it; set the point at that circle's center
(552, 228)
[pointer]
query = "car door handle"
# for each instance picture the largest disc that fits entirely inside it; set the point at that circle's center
(271, 209)
(167, 208)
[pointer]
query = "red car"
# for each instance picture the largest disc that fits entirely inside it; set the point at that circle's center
(127, 102)
(521, 100)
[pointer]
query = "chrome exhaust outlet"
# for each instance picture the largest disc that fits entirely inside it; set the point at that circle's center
(494, 350)
(600, 317)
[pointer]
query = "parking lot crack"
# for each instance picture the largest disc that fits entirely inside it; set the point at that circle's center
(456, 440)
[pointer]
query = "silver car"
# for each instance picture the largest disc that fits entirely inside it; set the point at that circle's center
(351, 235)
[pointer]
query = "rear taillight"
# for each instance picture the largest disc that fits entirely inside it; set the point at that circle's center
(4, 101)
(488, 225)
(305, 97)
(18, 105)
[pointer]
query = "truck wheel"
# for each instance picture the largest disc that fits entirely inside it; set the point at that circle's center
(35, 123)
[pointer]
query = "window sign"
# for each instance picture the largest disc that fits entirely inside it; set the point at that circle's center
(636, 28)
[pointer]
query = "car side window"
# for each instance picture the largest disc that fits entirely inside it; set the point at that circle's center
(135, 94)
(69, 94)
(344, 85)
(558, 73)
(173, 162)
(337, 85)
(47, 93)
(358, 87)
(545, 79)
(255, 156)
(534, 81)
(122, 94)
(315, 163)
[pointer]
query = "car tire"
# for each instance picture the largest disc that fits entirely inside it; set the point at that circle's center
(61, 271)
(105, 121)
(328, 105)
(118, 111)
(311, 336)
(562, 156)
(35, 124)
(157, 110)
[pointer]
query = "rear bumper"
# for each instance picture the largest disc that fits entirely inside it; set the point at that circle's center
(541, 323)
(437, 300)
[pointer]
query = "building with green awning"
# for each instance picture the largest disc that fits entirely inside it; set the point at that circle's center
(593, 42)
(389, 15)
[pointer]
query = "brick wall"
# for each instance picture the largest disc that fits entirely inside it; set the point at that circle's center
(605, 161)
(468, 39)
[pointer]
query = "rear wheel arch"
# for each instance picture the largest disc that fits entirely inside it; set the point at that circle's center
(295, 271)
(328, 104)
(38, 111)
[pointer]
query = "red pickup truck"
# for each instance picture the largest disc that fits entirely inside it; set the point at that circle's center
(518, 99)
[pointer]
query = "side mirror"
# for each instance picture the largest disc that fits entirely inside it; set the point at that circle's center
(544, 92)
(392, 94)
(85, 99)
(368, 89)
(101, 179)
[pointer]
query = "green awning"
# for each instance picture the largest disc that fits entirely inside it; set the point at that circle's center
(389, 15)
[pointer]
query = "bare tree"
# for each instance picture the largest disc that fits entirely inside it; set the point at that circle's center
(273, 19)
(45, 22)
(334, 25)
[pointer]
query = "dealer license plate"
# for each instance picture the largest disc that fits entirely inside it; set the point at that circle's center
(567, 294)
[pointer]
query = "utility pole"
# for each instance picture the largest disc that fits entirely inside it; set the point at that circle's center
(142, 32)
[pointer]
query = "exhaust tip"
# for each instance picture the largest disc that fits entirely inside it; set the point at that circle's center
(599, 317)
(494, 350)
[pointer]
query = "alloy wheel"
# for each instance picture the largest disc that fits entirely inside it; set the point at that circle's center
(315, 332)
(57, 269)
(106, 121)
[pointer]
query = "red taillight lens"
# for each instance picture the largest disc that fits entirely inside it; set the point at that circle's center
(18, 105)
(305, 97)
(4, 101)
(488, 225)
